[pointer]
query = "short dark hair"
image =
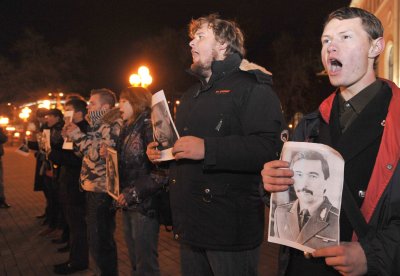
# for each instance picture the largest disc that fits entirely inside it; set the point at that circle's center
(224, 30)
(106, 96)
(312, 155)
(78, 105)
(371, 24)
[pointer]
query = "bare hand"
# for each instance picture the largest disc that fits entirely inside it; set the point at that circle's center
(68, 128)
(121, 200)
(152, 152)
(276, 176)
(103, 151)
(189, 147)
(348, 258)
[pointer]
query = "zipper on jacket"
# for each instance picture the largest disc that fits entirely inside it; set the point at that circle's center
(219, 125)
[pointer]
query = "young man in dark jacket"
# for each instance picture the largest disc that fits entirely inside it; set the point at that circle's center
(3, 140)
(360, 120)
(229, 123)
(72, 197)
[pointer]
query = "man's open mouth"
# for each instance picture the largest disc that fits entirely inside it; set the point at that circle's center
(334, 65)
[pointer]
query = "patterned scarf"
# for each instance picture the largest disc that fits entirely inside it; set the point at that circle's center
(96, 115)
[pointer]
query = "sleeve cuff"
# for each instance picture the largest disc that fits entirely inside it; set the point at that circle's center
(372, 259)
(210, 152)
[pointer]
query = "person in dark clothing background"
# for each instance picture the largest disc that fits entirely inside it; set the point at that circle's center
(55, 122)
(3, 140)
(140, 213)
(40, 155)
(73, 197)
(230, 123)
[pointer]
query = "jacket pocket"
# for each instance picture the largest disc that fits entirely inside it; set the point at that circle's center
(209, 191)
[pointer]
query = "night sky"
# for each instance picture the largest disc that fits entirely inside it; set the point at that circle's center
(107, 29)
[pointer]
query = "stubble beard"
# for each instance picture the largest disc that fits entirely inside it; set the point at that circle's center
(203, 69)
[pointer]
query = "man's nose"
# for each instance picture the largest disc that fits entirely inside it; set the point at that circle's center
(332, 47)
(191, 43)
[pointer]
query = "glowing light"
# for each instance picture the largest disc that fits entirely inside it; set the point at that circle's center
(61, 94)
(143, 78)
(50, 94)
(44, 104)
(146, 80)
(143, 71)
(28, 132)
(17, 134)
(10, 128)
(135, 80)
(9, 104)
(290, 126)
(25, 113)
(4, 121)
(177, 102)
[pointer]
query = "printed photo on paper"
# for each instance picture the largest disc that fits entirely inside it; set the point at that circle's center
(164, 129)
(306, 216)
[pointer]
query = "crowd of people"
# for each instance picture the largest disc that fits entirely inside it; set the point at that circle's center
(226, 161)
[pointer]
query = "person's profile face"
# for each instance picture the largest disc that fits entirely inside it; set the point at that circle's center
(95, 103)
(309, 182)
(162, 127)
(126, 109)
(52, 120)
(204, 49)
(345, 53)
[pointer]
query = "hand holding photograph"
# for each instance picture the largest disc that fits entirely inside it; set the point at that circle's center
(306, 216)
(164, 129)
(68, 144)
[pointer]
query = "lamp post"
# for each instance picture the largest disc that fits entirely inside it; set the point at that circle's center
(142, 78)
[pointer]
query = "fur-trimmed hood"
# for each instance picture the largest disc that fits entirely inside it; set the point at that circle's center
(246, 65)
(262, 74)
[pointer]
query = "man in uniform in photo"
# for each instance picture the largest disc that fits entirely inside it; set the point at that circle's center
(311, 219)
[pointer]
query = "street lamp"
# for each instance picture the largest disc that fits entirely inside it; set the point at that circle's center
(25, 113)
(142, 78)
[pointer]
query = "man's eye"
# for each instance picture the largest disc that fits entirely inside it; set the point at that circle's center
(325, 41)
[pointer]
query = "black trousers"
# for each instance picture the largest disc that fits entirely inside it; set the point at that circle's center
(78, 241)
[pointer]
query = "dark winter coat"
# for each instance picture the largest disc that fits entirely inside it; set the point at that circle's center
(216, 202)
(71, 164)
(137, 175)
(3, 140)
(40, 157)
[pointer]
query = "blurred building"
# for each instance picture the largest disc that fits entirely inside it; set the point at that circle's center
(388, 11)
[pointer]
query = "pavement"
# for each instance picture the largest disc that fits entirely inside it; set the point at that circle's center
(24, 252)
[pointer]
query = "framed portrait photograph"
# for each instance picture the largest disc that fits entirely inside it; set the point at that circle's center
(306, 216)
(112, 174)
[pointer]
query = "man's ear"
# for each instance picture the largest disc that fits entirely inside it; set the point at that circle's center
(377, 47)
(222, 46)
(106, 106)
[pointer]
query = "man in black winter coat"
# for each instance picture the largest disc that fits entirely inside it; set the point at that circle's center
(229, 123)
(3, 140)
(73, 198)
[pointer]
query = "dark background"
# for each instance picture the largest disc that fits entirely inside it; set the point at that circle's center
(74, 46)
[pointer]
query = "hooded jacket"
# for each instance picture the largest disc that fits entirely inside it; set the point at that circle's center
(215, 201)
(104, 130)
(371, 150)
